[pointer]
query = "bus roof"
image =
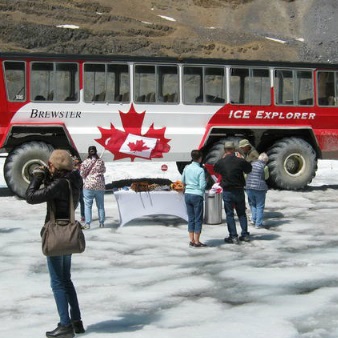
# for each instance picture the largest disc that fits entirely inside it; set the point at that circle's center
(161, 59)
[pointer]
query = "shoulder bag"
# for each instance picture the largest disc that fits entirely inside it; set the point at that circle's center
(63, 236)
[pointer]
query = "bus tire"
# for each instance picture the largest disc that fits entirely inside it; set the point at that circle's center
(216, 151)
(21, 162)
(292, 164)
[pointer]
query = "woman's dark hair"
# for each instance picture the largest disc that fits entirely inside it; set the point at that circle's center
(196, 155)
(92, 149)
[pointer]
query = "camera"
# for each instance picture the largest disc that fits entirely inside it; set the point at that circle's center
(42, 172)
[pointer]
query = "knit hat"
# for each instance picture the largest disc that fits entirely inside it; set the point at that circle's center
(61, 160)
(244, 143)
(229, 145)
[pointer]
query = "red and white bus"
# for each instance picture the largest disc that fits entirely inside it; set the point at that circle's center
(142, 108)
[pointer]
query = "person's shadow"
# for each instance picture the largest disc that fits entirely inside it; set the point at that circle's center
(128, 323)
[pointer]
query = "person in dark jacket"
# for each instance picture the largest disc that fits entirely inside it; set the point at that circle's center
(77, 166)
(232, 170)
(50, 185)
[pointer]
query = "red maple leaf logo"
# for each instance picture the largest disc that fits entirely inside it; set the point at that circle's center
(137, 146)
(113, 139)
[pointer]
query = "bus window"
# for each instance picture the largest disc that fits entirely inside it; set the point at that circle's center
(168, 84)
(106, 82)
(192, 85)
(15, 80)
(57, 82)
(260, 93)
(94, 82)
(327, 88)
(214, 85)
(42, 81)
(304, 89)
(236, 83)
(144, 84)
(283, 85)
(118, 83)
(204, 85)
(293, 87)
(66, 82)
(250, 86)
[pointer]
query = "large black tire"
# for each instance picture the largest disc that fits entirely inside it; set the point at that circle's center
(292, 164)
(216, 151)
(21, 162)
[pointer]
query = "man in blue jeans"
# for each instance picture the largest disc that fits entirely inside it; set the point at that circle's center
(193, 178)
(232, 170)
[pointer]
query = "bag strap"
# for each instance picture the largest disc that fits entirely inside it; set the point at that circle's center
(51, 206)
(90, 168)
(71, 204)
(51, 211)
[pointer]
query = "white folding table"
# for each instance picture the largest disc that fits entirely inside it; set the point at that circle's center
(133, 204)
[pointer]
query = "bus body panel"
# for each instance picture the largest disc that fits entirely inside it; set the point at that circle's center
(83, 122)
(186, 129)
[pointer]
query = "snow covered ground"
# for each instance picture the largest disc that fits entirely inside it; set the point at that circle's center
(143, 280)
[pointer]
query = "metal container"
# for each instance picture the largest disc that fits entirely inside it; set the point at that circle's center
(212, 208)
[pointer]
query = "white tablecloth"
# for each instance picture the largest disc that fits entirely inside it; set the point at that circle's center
(133, 205)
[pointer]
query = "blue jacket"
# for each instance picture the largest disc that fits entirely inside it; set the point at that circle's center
(194, 179)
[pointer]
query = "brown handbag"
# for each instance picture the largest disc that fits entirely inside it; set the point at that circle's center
(63, 236)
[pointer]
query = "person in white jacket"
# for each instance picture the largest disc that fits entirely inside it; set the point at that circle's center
(92, 171)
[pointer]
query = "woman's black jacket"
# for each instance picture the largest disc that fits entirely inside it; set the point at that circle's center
(57, 191)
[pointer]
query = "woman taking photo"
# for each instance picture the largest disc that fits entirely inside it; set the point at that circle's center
(51, 185)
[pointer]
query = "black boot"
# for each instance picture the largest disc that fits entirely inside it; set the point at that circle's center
(78, 326)
(61, 332)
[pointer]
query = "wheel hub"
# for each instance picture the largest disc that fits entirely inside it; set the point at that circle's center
(294, 164)
(29, 166)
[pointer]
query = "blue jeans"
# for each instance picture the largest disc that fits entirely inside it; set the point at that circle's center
(256, 200)
(235, 199)
(194, 205)
(89, 196)
(63, 288)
